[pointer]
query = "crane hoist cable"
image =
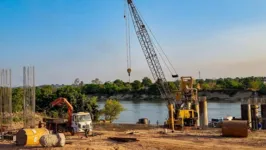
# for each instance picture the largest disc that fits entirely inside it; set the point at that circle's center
(160, 48)
(128, 44)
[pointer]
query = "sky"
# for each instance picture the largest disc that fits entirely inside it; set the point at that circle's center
(85, 39)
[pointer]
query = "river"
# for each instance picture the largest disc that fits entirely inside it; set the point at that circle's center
(157, 110)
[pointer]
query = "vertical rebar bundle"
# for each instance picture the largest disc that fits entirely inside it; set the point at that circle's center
(5, 99)
(29, 97)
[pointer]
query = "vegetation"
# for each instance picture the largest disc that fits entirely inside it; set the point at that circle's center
(78, 92)
(112, 109)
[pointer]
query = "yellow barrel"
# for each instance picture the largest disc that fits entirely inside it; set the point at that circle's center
(30, 137)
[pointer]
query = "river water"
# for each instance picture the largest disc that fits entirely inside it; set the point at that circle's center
(157, 110)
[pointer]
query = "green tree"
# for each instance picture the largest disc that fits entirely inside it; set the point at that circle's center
(220, 83)
(91, 88)
(76, 82)
(81, 83)
(136, 85)
(263, 89)
(177, 84)
(255, 85)
(172, 86)
(112, 109)
(44, 96)
(127, 87)
(146, 82)
(91, 105)
(17, 99)
(96, 81)
(110, 88)
(153, 89)
(72, 94)
(119, 83)
(205, 86)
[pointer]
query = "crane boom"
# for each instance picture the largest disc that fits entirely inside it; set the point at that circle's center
(149, 52)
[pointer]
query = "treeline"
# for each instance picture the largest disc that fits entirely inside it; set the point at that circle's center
(78, 93)
(248, 83)
(80, 102)
(46, 94)
(145, 86)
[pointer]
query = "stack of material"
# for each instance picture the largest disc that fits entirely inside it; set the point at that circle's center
(235, 128)
(53, 140)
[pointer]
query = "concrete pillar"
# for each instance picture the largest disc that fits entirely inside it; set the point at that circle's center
(263, 115)
(246, 113)
(171, 116)
(203, 109)
(249, 116)
(206, 120)
(188, 105)
(197, 111)
(254, 116)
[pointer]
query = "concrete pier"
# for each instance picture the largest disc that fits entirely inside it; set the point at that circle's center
(246, 113)
(263, 115)
(197, 111)
(203, 110)
(254, 117)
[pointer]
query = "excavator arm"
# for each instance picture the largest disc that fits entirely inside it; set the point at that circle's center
(59, 102)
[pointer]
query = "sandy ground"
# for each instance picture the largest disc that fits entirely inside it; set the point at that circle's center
(155, 139)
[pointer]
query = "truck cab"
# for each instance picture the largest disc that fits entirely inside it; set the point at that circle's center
(81, 122)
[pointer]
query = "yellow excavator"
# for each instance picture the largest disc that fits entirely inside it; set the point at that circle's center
(181, 106)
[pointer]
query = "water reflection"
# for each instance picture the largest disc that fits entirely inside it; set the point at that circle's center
(157, 110)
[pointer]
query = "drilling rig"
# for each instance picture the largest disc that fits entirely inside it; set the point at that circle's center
(180, 112)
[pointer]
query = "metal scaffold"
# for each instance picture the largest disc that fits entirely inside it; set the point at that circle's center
(29, 97)
(5, 100)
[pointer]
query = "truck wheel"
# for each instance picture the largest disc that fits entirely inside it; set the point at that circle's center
(72, 131)
(86, 133)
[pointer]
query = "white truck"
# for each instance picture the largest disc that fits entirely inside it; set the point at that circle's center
(76, 122)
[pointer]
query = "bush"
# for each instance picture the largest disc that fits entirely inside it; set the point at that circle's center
(112, 109)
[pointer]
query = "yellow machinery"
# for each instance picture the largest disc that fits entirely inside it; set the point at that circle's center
(185, 112)
(181, 111)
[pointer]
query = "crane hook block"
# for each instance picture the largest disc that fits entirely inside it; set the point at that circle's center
(175, 75)
(129, 71)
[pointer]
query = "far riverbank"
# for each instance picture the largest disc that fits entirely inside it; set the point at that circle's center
(218, 95)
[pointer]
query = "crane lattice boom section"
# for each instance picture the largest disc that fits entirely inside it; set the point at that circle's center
(149, 52)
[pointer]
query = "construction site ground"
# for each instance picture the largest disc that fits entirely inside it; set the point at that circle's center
(154, 138)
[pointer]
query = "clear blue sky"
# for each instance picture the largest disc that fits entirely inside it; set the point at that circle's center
(68, 39)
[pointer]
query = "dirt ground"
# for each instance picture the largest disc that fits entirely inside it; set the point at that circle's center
(156, 139)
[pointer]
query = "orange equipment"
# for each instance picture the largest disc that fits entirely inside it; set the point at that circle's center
(59, 102)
